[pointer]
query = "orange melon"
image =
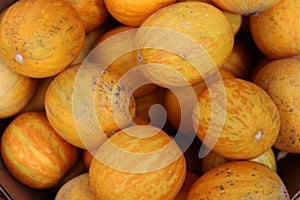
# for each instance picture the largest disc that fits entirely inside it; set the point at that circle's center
(16, 90)
(134, 12)
(239, 180)
(34, 153)
(237, 119)
(84, 108)
(280, 79)
(280, 25)
(240, 61)
(146, 172)
(39, 38)
(93, 13)
(245, 7)
(179, 41)
(76, 189)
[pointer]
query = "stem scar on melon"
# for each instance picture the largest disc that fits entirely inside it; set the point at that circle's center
(139, 57)
(19, 58)
(258, 135)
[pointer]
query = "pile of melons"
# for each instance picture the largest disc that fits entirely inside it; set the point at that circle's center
(108, 99)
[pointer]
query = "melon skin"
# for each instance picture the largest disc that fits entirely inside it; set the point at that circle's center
(16, 90)
(239, 180)
(79, 91)
(34, 153)
(245, 7)
(280, 79)
(237, 119)
(39, 38)
(77, 188)
(200, 49)
(115, 177)
(275, 31)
